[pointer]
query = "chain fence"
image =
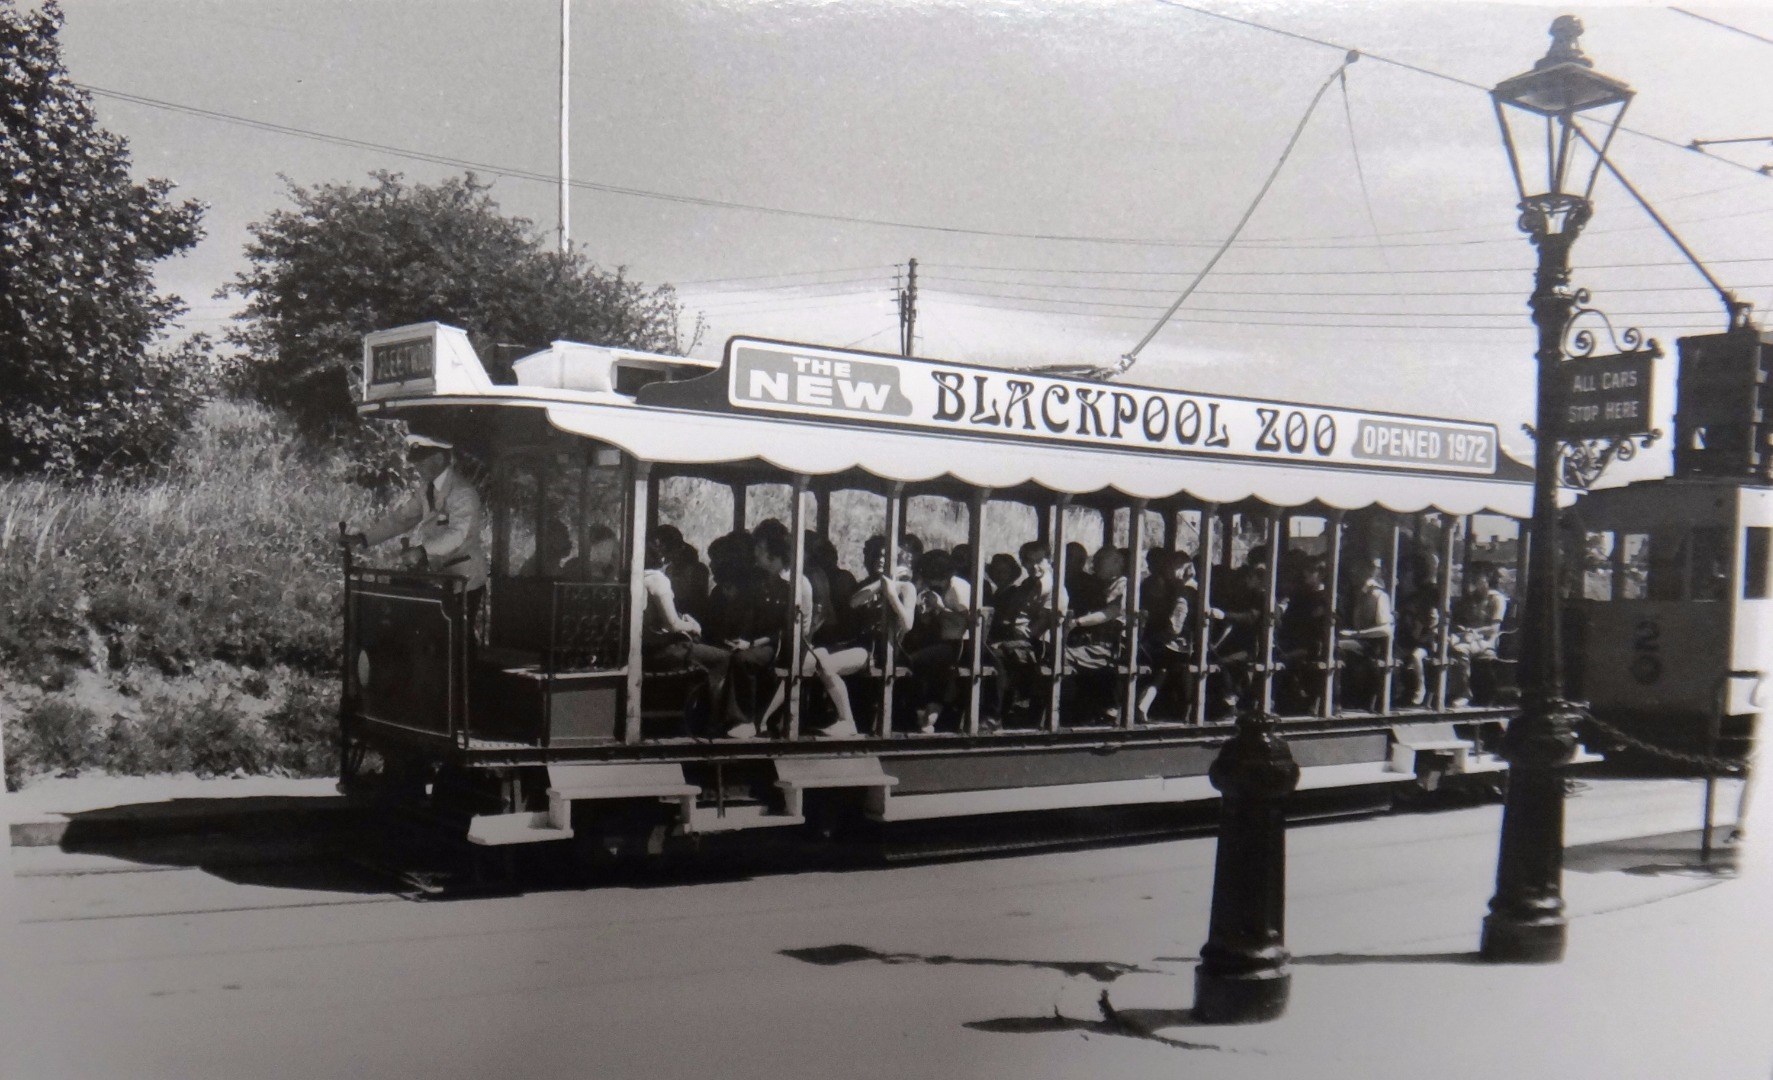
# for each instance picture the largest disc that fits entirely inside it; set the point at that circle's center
(1715, 765)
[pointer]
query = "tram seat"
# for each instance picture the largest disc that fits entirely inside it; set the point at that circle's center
(1494, 681)
(673, 702)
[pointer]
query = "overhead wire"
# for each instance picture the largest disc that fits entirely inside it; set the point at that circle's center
(1722, 25)
(1417, 68)
(1397, 293)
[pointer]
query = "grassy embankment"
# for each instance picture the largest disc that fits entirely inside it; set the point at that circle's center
(188, 624)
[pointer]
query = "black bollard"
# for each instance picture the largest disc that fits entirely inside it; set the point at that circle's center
(1526, 924)
(1244, 977)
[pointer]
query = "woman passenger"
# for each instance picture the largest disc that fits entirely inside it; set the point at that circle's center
(1022, 620)
(944, 604)
(671, 640)
(1096, 634)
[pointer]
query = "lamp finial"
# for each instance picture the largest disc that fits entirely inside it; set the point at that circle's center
(1565, 29)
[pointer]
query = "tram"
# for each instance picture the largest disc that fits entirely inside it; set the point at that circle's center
(1669, 594)
(548, 722)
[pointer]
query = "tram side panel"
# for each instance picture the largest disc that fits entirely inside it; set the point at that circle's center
(1672, 604)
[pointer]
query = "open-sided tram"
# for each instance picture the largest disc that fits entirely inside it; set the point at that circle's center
(547, 721)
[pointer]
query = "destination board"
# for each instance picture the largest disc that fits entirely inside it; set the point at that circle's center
(799, 380)
(402, 361)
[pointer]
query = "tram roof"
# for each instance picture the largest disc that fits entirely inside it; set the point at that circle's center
(819, 411)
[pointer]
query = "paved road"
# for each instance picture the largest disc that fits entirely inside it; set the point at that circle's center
(151, 967)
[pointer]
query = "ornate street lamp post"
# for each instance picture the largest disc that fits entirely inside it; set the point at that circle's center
(1540, 112)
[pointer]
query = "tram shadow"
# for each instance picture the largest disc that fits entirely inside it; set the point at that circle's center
(281, 842)
(1674, 854)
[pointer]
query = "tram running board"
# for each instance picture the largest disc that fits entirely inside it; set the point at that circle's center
(1154, 789)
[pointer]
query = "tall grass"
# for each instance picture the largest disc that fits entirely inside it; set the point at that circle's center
(228, 556)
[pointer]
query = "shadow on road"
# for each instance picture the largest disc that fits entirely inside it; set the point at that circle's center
(274, 841)
(1668, 854)
(1104, 971)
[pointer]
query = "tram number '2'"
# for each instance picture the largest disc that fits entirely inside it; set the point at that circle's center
(1291, 432)
(1646, 651)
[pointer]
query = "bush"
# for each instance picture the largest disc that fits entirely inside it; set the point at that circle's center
(207, 734)
(54, 734)
(302, 731)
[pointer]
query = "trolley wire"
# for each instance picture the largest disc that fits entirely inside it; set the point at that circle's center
(1523, 269)
(1395, 293)
(1430, 72)
(534, 176)
(1722, 25)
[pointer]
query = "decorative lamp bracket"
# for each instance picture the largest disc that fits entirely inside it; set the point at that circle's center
(1580, 340)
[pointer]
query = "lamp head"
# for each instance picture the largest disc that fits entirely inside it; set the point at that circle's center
(1539, 112)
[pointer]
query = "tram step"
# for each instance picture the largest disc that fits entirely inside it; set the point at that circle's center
(710, 819)
(797, 776)
(529, 827)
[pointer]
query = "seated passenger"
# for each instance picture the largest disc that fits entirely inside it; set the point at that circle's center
(944, 604)
(1299, 640)
(1240, 603)
(602, 552)
(1363, 644)
(778, 601)
(882, 607)
(1419, 622)
(1002, 572)
(1477, 629)
(689, 578)
(1022, 622)
(671, 640)
(1170, 597)
(553, 557)
(840, 585)
(1095, 636)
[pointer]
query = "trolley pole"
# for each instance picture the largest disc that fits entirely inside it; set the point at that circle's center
(1245, 974)
(1526, 922)
(566, 38)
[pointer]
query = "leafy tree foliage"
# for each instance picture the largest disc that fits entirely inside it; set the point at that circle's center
(84, 382)
(349, 259)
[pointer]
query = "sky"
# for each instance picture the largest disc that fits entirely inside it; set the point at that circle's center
(1060, 170)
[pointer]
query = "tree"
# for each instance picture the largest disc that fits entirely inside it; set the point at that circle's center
(350, 259)
(86, 381)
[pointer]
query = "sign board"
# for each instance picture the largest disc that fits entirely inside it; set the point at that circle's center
(807, 381)
(1603, 397)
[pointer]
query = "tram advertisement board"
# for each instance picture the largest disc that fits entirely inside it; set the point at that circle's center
(801, 380)
(1603, 397)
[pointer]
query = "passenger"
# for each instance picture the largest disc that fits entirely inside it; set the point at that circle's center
(1002, 572)
(823, 610)
(683, 565)
(1096, 635)
(1477, 629)
(602, 552)
(553, 557)
(1076, 574)
(1241, 608)
(1419, 622)
(1362, 645)
(944, 604)
(776, 601)
(963, 562)
(1021, 625)
(1299, 639)
(883, 606)
(671, 640)
(1170, 598)
(439, 524)
(840, 583)
(732, 567)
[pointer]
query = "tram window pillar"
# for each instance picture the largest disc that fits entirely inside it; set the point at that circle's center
(797, 617)
(1274, 537)
(889, 650)
(1332, 601)
(976, 613)
(1443, 646)
(1056, 529)
(1135, 614)
(638, 488)
(1203, 622)
(1388, 674)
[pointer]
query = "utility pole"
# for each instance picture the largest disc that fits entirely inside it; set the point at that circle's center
(908, 312)
(566, 37)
